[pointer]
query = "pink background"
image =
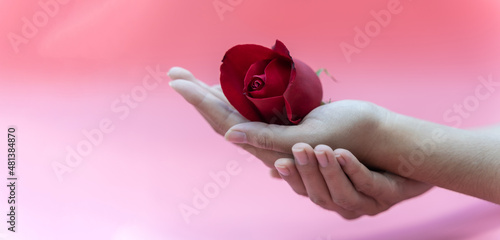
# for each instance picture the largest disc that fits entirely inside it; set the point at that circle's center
(65, 79)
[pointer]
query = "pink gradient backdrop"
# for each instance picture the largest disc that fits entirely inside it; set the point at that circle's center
(66, 78)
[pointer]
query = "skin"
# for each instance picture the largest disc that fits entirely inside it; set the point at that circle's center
(421, 153)
(337, 181)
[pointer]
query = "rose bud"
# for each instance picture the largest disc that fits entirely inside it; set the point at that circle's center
(267, 85)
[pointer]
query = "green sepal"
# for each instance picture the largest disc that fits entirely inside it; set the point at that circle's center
(326, 72)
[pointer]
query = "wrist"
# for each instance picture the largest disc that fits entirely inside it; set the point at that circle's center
(376, 127)
(411, 147)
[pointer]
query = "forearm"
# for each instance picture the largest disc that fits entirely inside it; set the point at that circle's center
(460, 160)
(495, 129)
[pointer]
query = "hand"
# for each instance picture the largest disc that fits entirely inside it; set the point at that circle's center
(348, 124)
(337, 181)
(341, 124)
(214, 107)
(455, 159)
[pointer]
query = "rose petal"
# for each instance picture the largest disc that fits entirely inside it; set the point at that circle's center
(281, 49)
(304, 93)
(272, 109)
(277, 79)
(257, 68)
(235, 64)
(241, 57)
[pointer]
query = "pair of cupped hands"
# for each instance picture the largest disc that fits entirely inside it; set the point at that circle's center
(302, 154)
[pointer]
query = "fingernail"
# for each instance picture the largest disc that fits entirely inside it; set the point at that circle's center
(340, 159)
(300, 156)
(171, 70)
(236, 137)
(283, 170)
(281, 167)
(320, 155)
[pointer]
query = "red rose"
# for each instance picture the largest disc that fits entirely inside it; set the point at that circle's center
(267, 85)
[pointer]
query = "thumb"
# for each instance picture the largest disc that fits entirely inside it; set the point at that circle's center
(265, 136)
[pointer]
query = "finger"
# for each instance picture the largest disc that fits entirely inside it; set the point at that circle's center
(268, 157)
(386, 189)
(217, 87)
(341, 189)
(307, 167)
(405, 188)
(317, 188)
(287, 171)
(274, 173)
(178, 73)
(370, 183)
(278, 138)
(221, 117)
(217, 90)
(219, 126)
(218, 113)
